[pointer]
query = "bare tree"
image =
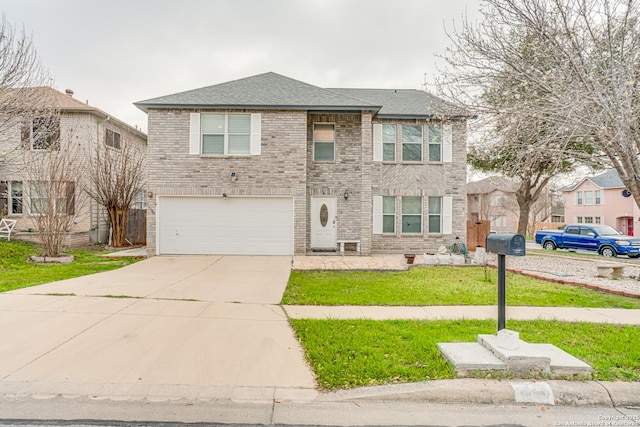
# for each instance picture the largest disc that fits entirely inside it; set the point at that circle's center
(556, 80)
(20, 72)
(52, 165)
(117, 175)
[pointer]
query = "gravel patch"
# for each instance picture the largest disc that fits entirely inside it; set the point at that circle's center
(575, 270)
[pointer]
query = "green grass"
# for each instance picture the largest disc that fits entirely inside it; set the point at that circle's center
(354, 353)
(438, 286)
(16, 272)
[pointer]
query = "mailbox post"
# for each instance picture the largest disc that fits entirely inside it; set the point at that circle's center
(504, 244)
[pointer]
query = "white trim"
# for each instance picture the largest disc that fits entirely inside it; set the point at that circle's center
(256, 134)
(377, 214)
(447, 143)
(377, 142)
(194, 134)
(447, 215)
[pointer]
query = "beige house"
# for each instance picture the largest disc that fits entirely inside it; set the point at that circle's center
(272, 165)
(74, 126)
(493, 199)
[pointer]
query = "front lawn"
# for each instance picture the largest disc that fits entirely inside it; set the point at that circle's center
(16, 272)
(354, 353)
(439, 286)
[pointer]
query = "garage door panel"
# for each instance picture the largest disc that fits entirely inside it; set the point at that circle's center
(240, 226)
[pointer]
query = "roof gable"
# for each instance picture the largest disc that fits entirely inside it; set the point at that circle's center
(268, 90)
(608, 179)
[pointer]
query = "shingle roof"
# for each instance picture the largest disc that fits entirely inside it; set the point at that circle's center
(268, 90)
(400, 102)
(608, 179)
(488, 185)
(274, 91)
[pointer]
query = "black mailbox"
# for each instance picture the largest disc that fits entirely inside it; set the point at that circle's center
(506, 244)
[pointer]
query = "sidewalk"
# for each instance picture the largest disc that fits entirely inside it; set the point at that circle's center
(619, 316)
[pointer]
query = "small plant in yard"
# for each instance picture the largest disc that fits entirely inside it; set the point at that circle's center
(17, 272)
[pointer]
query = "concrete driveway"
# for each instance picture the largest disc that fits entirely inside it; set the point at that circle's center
(166, 327)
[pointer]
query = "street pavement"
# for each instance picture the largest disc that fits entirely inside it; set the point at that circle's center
(190, 330)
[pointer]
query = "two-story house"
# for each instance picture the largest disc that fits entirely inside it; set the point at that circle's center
(271, 165)
(61, 123)
(493, 199)
(602, 199)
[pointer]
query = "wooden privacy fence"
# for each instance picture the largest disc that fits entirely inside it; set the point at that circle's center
(137, 227)
(477, 232)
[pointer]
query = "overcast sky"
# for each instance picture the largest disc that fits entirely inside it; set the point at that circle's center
(115, 52)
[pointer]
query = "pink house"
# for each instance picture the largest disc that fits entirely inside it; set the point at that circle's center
(602, 199)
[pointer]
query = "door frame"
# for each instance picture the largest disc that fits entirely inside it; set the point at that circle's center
(315, 206)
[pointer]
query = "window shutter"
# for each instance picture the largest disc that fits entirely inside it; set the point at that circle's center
(447, 215)
(194, 133)
(377, 214)
(447, 143)
(256, 134)
(4, 197)
(377, 142)
(71, 197)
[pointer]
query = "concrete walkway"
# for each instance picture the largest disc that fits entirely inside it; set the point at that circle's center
(619, 316)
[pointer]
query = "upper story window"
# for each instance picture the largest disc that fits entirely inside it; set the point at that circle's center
(226, 134)
(324, 141)
(579, 197)
(598, 196)
(112, 139)
(218, 134)
(411, 143)
(10, 198)
(389, 143)
(42, 133)
(435, 143)
(588, 197)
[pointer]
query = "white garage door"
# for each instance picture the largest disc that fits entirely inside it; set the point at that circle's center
(232, 226)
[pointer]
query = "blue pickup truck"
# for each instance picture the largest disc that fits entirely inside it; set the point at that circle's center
(605, 240)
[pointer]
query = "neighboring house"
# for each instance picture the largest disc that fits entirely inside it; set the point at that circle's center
(64, 121)
(493, 199)
(602, 199)
(272, 165)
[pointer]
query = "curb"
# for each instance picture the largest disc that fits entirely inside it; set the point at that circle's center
(481, 391)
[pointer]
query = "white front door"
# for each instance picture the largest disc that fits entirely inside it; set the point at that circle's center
(323, 223)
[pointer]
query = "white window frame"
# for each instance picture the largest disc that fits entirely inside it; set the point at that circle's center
(421, 143)
(439, 142)
(588, 198)
(598, 220)
(436, 214)
(597, 197)
(588, 220)
(421, 214)
(579, 220)
(315, 141)
(579, 198)
(10, 197)
(57, 202)
(226, 134)
(50, 143)
(195, 135)
(389, 214)
(386, 143)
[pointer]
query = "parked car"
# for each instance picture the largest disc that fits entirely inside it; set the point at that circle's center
(605, 240)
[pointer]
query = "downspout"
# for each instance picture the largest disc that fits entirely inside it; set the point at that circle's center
(101, 123)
